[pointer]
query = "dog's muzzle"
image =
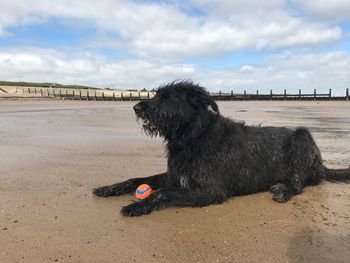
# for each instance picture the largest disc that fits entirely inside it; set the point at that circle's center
(138, 108)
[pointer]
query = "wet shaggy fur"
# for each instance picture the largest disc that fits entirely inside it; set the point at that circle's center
(212, 158)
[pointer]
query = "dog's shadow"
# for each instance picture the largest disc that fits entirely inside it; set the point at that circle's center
(316, 245)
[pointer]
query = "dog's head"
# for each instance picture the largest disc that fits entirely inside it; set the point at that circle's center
(177, 107)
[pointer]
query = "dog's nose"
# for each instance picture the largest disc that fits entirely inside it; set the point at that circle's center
(138, 107)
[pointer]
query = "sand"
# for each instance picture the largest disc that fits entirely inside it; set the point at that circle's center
(52, 153)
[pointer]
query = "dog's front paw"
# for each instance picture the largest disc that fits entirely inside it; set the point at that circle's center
(136, 209)
(113, 190)
(102, 191)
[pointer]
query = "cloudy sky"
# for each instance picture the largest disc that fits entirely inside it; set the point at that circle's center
(224, 45)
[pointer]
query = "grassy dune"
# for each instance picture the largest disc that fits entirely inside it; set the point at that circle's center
(43, 85)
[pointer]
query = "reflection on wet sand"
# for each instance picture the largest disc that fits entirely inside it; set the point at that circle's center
(319, 246)
(327, 236)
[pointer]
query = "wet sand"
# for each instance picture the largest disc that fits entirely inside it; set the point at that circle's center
(52, 153)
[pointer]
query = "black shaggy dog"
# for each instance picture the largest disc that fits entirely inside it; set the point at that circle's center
(211, 158)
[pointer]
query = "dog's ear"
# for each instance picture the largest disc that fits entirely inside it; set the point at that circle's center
(213, 104)
(201, 100)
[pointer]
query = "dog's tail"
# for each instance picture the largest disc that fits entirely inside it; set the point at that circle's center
(333, 175)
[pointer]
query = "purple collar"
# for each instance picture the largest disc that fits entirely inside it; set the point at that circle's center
(198, 133)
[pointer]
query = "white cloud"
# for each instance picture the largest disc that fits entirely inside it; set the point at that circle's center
(334, 9)
(227, 8)
(163, 30)
(246, 69)
(282, 71)
(160, 36)
(32, 64)
(305, 71)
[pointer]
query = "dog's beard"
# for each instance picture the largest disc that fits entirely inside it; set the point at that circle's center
(156, 126)
(149, 126)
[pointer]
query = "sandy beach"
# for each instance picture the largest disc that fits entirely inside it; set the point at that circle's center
(53, 153)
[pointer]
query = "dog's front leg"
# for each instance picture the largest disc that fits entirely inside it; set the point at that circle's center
(130, 185)
(166, 197)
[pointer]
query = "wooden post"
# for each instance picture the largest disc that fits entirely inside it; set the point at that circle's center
(87, 95)
(147, 94)
(41, 92)
(257, 94)
(330, 94)
(113, 96)
(80, 94)
(34, 90)
(347, 94)
(139, 96)
(285, 94)
(60, 94)
(95, 95)
(67, 94)
(130, 96)
(29, 90)
(270, 94)
(314, 94)
(219, 95)
(122, 96)
(299, 94)
(73, 95)
(245, 95)
(103, 96)
(54, 93)
(48, 93)
(231, 94)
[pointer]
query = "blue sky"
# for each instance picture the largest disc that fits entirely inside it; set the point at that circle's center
(225, 45)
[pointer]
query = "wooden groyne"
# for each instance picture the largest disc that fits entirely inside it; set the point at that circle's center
(110, 95)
